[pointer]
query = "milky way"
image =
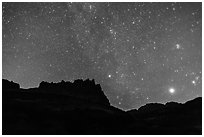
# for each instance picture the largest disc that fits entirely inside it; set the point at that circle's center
(138, 52)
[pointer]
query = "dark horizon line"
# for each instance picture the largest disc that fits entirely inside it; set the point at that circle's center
(182, 103)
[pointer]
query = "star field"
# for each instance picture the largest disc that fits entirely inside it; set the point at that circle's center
(138, 52)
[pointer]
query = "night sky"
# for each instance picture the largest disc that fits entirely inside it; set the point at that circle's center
(138, 52)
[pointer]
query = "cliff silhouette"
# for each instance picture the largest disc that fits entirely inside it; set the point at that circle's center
(81, 107)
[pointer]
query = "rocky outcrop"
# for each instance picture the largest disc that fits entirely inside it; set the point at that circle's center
(9, 84)
(86, 90)
(81, 107)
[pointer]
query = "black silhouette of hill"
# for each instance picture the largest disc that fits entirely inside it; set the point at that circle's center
(82, 108)
(9, 85)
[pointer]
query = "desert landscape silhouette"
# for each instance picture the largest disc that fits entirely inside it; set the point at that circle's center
(82, 108)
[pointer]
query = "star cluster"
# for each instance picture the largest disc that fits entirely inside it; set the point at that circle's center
(138, 52)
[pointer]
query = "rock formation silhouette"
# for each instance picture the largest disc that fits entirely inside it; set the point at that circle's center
(81, 107)
(9, 84)
(86, 90)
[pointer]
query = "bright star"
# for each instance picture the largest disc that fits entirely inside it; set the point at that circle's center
(172, 90)
(178, 46)
(193, 82)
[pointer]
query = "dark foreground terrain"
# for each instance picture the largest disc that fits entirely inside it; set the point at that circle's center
(82, 108)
